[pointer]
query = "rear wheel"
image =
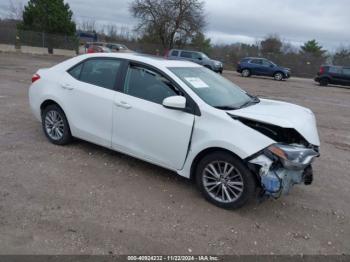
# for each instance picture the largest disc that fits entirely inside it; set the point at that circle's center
(224, 180)
(245, 73)
(278, 76)
(324, 82)
(55, 125)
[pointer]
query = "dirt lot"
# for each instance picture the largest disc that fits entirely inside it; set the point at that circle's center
(84, 199)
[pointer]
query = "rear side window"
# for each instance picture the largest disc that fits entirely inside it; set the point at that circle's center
(346, 71)
(256, 61)
(75, 71)
(335, 70)
(186, 54)
(99, 72)
(175, 53)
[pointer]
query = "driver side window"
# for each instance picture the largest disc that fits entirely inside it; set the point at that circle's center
(266, 63)
(147, 84)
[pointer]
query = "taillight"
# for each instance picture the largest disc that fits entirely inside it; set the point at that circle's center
(35, 77)
(321, 70)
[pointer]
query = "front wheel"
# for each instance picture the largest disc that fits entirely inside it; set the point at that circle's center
(278, 76)
(55, 125)
(224, 180)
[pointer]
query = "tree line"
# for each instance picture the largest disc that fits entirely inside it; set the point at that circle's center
(166, 24)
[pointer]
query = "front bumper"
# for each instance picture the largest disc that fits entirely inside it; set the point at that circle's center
(287, 74)
(277, 177)
(218, 69)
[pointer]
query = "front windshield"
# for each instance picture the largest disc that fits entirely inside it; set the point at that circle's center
(204, 55)
(273, 63)
(214, 89)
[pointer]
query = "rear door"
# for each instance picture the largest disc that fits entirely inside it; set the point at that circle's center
(346, 74)
(143, 127)
(87, 98)
(337, 76)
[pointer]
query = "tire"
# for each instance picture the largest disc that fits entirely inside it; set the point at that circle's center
(220, 190)
(278, 76)
(245, 73)
(53, 118)
(324, 82)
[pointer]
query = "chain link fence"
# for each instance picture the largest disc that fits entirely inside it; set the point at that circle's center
(45, 40)
(21, 38)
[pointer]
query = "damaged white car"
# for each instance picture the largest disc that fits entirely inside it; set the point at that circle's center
(181, 116)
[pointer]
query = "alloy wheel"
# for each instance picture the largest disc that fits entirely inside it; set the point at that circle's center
(278, 76)
(222, 181)
(245, 73)
(54, 125)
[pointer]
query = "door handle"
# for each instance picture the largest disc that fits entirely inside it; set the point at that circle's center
(123, 104)
(67, 86)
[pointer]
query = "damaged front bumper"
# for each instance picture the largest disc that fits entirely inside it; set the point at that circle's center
(281, 166)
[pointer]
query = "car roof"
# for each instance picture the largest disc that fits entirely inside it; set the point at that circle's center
(250, 58)
(156, 61)
(184, 50)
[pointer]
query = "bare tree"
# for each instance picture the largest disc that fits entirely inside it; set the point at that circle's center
(271, 44)
(169, 21)
(342, 57)
(15, 10)
(87, 25)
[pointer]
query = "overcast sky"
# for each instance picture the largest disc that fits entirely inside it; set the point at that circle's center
(296, 21)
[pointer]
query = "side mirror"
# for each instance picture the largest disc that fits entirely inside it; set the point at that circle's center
(175, 102)
(200, 58)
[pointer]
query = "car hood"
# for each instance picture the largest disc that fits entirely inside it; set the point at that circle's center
(282, 68)
(216, 61)
(283, 114)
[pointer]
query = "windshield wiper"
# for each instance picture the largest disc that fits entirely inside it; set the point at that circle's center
(254, 100)
(226, 107)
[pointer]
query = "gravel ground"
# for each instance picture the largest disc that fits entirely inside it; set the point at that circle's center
(84, 199)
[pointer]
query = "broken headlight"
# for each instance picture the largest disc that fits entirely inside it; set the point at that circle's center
(293, 156)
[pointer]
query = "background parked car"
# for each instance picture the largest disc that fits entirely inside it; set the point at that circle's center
(260, 66)
(117, 47)
(96, 48)
(336, 75)
(196, 57)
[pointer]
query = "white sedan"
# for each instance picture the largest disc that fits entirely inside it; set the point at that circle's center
(181, 116)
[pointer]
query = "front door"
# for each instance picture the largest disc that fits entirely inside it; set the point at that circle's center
(143, 127)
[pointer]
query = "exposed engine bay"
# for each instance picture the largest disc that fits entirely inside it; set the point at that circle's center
(283, 164)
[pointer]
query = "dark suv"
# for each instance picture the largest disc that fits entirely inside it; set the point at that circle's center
(336, 75)
(262, 67)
